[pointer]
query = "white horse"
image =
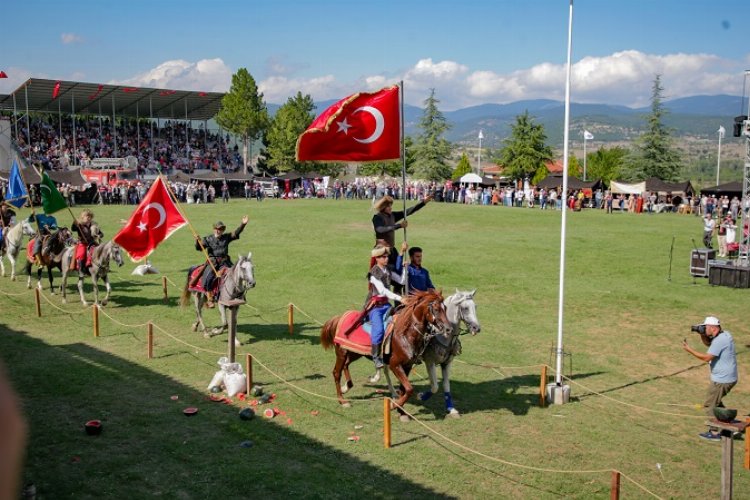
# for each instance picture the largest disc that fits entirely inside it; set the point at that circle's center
(459, 307)
(236, 282)
(99, 269)
(13, 244)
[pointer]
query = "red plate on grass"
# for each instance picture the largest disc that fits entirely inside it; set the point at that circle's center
(216, 398)
(189, 412)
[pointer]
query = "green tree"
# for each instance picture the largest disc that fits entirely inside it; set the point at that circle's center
(292, 118)
(653, 154)
(243, 111)
(463, 167)
(525, 153)
(605, 164)
(431, 149)
(391, 167)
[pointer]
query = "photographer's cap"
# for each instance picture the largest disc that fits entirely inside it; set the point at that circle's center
(711, 321)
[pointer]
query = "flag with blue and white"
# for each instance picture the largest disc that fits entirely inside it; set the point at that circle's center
(16, 193)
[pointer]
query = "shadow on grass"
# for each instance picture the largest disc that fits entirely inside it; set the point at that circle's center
(149, 448)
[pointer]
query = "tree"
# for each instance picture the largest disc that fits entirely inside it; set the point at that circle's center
(653, 154)
(292, 118)
(243, 111)
(605, 164)
(463, 167)
(525, 153)
(431, 149)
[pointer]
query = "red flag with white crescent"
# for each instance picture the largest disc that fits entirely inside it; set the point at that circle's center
(155, 219)
(362, 127)
(56, 90)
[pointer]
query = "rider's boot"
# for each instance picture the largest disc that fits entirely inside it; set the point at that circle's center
(378, 360)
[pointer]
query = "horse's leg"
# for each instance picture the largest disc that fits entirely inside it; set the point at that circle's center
(341, 361)
(198, 325)
(39, 279)
(95, 283)
(2, 264)
(12, 259)
(224, 326)
(109, 289)
(27, 270)
(80, 289)
(406, 387)
(63, 285)
(51, 283)
(446, 368)
(348, 384)
(432, 373)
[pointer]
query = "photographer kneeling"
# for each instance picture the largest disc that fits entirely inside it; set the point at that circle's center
(723, 362)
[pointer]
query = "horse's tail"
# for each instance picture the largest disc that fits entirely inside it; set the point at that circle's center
(185, 296)
(328, 332)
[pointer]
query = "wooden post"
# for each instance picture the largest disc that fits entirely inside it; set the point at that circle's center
(543, 387)
(727, 462)
(614, 491)
(232, 332)
(150, 340)
(747, 447)
(249, 371)
(95, 312)
(164, 288)
(290, 318)
(387, 422)
(37, 296)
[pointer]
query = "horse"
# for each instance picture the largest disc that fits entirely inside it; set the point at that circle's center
(421, 317)
(233, 285)
(56, 247)
(13, 243)
(459, 307)
(101, 255)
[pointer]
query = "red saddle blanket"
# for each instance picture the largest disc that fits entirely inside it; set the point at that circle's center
(358, 340)
(195, 276)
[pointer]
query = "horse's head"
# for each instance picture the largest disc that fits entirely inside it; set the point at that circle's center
(116, 254)
(27, 228)
(429, 309)
(246, 271)
(461, 307)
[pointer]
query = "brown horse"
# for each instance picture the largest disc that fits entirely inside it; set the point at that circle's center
(421, 318)
(50, 259)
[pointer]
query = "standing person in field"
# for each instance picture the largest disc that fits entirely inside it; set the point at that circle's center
(225, 192)
(709, 226)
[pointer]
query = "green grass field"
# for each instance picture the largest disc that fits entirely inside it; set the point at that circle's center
(634, 390)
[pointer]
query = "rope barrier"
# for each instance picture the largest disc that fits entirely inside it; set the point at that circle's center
(304, 313)
(14, 294)
(517, 465)
(186, 343)
(79, 311)
(140, 325)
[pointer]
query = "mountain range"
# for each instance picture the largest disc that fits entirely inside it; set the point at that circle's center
(697, 117)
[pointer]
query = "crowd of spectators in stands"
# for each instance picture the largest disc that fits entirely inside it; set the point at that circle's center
(96, 138)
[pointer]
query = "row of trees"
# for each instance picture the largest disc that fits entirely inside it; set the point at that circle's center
(524, 153)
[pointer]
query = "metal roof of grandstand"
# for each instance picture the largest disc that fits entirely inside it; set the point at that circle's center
(106, 100)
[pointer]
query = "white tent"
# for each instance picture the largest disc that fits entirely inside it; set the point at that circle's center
(470, 179)
(622, 188)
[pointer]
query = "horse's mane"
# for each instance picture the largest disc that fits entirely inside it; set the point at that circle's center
(404, 316)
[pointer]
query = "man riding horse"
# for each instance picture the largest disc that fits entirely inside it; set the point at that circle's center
(217, 247)
(89, 236)
(7, 215)
(45, 225)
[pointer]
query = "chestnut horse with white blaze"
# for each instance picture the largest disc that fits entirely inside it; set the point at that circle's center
(421, 317)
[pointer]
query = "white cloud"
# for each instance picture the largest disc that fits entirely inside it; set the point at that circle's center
(209, 75)
(68, 38)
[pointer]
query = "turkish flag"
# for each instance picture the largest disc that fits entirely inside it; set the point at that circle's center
(56, 90)
(155, 219)
(3, 74)
(362, 127)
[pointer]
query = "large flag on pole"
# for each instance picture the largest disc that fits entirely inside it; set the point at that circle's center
(362, 127)
(16, 193)
(155, 219)
(588, 135)
(52, 200)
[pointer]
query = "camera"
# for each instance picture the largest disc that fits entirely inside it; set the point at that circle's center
(700, 329)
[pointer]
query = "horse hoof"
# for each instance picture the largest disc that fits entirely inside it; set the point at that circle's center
(346, 404)
(104, 302)
(64, 300)
(207, 335)
(453, 413)
(237, 343)
(85, 304)
(344, 388)
(404, 418)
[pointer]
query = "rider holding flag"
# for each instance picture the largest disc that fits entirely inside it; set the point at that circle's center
(217, 247)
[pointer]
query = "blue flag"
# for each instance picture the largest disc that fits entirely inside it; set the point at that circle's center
(16, 193)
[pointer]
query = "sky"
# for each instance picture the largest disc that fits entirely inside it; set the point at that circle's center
(470, 51)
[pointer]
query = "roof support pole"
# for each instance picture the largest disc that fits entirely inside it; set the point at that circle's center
(73, 116)
(59, 123)
(187, 137)
(205, 137)
(100, 122)
(137, 135)
(15, 117)
(151, 123)
(114, 125)
(27, 139)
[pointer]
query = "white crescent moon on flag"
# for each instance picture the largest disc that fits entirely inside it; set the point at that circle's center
(159, 208)
(43, 187)
(379, 124)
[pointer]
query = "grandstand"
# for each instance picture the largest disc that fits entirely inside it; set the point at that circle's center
(63, 125)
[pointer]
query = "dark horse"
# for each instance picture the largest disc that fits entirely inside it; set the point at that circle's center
(50, 259)
(421, 317)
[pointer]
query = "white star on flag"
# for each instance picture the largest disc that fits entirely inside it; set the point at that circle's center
(344, 126)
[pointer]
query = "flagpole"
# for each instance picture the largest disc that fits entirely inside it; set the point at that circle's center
(28, 196)
(585, 138)
(403, 177)
(41, 178)
(190, 225)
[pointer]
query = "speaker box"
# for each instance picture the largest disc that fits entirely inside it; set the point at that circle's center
(699, 261)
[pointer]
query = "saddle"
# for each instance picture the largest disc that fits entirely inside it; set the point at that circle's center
(73, 265)
(357, 338)
(195, 283)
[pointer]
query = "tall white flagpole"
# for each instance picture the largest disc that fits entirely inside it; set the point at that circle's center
(585, 138)
(558, 396)
(721, 132)
(479, 156)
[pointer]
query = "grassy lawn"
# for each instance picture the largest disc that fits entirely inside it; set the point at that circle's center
(634, 390)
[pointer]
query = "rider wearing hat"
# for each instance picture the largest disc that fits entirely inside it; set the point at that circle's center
(7, 214)
(45, 224)
(217, 247)
(88, 236)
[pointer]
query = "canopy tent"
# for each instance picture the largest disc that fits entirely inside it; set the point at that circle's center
(556, 182)
(470, 178)
(730, 189)
(30, 176)
(623, 188)
(659, 186)
(36, 95)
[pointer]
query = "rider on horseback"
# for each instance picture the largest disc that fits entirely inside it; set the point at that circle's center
(217, 247)
(380, 277)
(45, 224)
(88, 236)
(7, 215)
